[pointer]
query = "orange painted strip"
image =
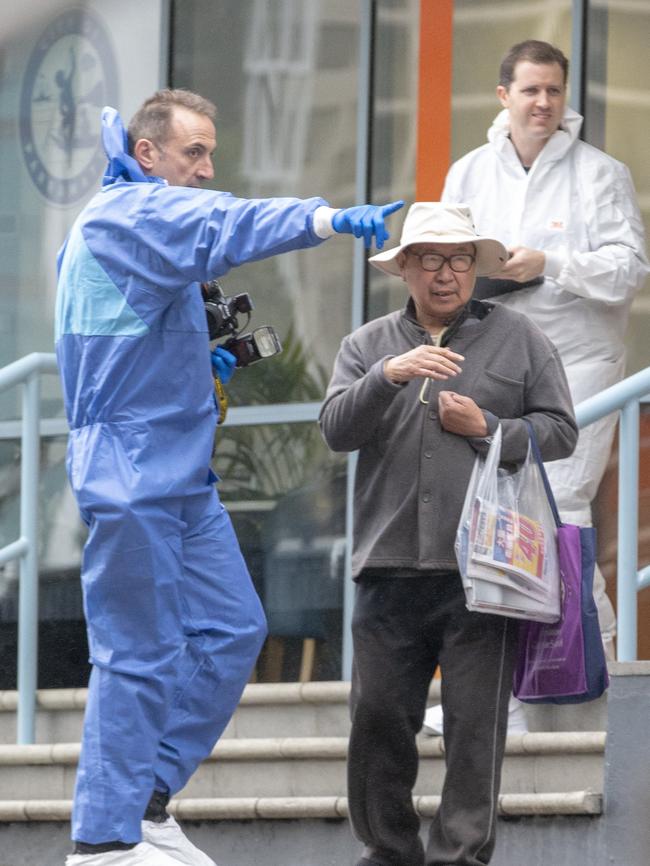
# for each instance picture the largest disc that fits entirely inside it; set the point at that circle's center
(434, 102)
(434, 98)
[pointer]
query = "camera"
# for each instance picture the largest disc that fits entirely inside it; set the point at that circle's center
(221, 313)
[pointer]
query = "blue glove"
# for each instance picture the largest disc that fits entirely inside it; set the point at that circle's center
(365, 220)
(223, 363)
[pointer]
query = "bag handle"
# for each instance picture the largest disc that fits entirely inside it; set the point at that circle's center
(534, 447)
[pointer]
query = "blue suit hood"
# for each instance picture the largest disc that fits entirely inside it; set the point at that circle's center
(121, 166)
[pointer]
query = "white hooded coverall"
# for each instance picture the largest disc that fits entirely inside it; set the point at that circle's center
(578, 206)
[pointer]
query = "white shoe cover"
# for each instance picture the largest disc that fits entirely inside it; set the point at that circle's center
(142, 855)
(169, 837)
(433, 721)
(517, 724)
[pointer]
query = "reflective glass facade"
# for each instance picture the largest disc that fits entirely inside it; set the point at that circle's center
(289, 80)
(617, 109)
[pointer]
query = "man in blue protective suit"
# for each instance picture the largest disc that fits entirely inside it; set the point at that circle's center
(174, 624)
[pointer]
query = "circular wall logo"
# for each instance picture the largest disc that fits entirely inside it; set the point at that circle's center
(70, 76)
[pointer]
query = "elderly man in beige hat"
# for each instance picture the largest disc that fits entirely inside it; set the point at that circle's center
(419, 392)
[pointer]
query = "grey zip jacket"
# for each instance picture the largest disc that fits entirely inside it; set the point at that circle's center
(411, 474)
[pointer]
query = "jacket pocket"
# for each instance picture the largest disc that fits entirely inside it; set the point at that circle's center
(502, 395)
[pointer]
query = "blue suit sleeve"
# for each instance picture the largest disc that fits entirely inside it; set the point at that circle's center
(203, 234)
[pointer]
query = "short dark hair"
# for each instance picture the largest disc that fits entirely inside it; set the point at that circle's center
(154, 117)
(534, 51)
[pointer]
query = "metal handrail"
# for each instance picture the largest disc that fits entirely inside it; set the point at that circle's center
(27, 371)
(624, 397)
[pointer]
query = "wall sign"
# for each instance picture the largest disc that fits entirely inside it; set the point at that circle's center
(71, 74)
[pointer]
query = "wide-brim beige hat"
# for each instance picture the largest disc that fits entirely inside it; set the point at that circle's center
(433, 222)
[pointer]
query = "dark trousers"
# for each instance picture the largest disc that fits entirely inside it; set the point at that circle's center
(402, 628)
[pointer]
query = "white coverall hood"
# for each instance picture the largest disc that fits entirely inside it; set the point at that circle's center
(556, 147)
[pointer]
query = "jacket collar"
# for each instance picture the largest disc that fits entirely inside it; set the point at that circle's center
(473, 309)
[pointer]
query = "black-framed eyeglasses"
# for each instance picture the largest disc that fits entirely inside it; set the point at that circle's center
(460, 263)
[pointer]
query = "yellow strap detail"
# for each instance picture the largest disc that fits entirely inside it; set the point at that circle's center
(222, 399)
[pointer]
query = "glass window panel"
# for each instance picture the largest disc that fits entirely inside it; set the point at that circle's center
(286, 93)
(618, 120)
(618, 84)
(483, 32)
(285, 492)
(30, 229)
(394, 130)
(63, 648)
(60, 63)
(337, 43)
(284, 77)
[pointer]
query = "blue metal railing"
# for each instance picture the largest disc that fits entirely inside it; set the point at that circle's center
(624, 397)
(27, 371)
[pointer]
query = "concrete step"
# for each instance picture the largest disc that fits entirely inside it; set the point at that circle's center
(266, 709)
(572, 839)
(313, 831)
(599, 824)
(274, 710)
(536, 763)
(293, 808)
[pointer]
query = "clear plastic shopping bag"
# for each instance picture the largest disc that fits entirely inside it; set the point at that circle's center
(506, 540)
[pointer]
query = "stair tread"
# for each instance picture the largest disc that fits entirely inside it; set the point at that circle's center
(255, 693)
(241, 808)
(296, 748)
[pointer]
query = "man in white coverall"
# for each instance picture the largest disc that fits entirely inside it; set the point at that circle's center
(567, 214)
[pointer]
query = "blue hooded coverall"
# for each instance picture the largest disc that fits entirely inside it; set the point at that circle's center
(174, 623)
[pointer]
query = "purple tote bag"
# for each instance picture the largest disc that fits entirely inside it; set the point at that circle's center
(564, 662)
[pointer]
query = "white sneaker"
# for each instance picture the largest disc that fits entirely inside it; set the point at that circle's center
(142, 855)
(169, 837)
(517, 724)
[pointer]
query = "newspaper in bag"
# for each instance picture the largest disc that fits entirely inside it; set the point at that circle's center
(506, 541)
